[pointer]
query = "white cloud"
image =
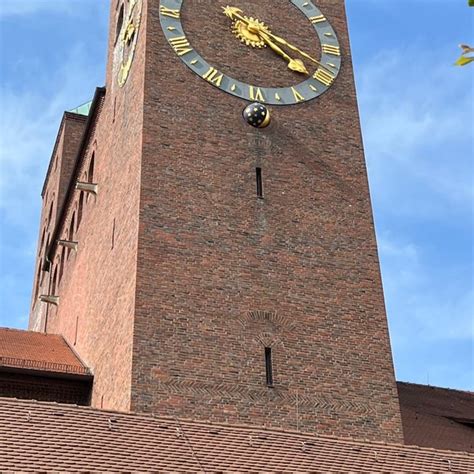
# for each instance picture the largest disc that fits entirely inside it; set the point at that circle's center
(437, 302)
(417, 117)
(28, 127)
(430, 309)
(29, 124)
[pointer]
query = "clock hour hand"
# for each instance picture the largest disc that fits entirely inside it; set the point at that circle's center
(235, 14)
(293, 64)
(294, 48)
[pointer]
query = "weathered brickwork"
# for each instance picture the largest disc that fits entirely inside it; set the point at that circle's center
(97, 288)
(210, 252)
(59, 172)
(41, 387)
(183, 276)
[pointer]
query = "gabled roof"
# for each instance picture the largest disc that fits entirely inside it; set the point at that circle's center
(37, 351)
(437, 417)
(39, 436)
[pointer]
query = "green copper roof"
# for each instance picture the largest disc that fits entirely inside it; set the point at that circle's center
(82, 109)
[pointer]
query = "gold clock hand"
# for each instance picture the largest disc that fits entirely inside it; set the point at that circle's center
(253, 27)
(293, 64)
(294, 48)
(235, 13)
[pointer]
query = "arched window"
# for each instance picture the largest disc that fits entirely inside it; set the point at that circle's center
(50, 214)
(80, 208)
(90, 174)
(61, 264)
(42, 240)
(55, 280)
(72, 228)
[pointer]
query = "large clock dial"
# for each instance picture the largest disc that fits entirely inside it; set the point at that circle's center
(127, 40)
(312, 76)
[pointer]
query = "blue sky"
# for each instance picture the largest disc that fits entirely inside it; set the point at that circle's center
(417, 116)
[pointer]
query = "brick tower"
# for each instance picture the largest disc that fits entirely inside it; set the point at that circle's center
(222, 272)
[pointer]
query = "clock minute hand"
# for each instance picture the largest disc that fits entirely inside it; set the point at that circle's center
(293, 64)
(294, 48)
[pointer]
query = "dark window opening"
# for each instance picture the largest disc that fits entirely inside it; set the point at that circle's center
(259, 183)
(55, 279)
(61, 264)
(50, 215)
(115, 109)
(80, 208)
(90, 174)
(268, 366)
(42, 240)
(113, 235)
(119, 23)
(71, 231)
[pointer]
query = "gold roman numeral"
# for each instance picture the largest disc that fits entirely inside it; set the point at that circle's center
(317, 19)
(169, 12)
(181, 45)
(213, 77)
(298, 97)
(326, 77)
(330, 49)
(256, 94)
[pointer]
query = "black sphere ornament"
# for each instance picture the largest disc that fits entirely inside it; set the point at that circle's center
(257, 115)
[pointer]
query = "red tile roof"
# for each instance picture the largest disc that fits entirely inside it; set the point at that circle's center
(38, 351)
(40, 436)
(437, 417)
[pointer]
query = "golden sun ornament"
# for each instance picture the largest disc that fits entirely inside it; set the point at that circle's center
(254, 33)
(247, 31)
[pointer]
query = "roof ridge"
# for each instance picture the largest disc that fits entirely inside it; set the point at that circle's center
(42, 365)
(435, 387)
(244, 427)
(4, 328)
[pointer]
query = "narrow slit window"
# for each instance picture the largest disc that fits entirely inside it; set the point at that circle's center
(55, 279)
(113, 235)
(80, 209)
(72, 227)
(259, 183)
(90, 174)
(50, 215)
(268, 366)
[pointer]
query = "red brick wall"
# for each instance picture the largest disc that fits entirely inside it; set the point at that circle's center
(97, 288)
(200, 275)
(74, 126)
(48, 389)
(222, 274)
(57, 179)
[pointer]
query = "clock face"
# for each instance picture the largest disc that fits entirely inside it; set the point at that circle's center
(127, 40)
(312, 74)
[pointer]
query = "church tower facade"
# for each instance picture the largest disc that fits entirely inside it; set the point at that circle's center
(223, 271)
